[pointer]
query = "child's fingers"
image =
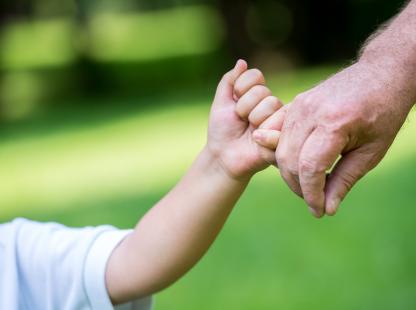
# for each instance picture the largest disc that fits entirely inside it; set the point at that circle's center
(251, 99)
(275, 121)
(247, 80)
(264, 109)
(225, 89)
(267, 138)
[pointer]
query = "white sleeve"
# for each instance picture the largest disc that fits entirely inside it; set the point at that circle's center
(50, 266)
(94, 273)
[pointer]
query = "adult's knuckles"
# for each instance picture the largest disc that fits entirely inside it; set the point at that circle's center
(309, 168)
(282, 159)
(307, 99)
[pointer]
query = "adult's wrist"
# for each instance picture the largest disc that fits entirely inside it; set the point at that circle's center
(395, 78)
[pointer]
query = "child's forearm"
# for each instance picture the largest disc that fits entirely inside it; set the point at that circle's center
(175, 233)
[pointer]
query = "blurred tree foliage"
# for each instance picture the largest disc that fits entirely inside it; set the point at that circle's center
(269, 33)
(315, 31)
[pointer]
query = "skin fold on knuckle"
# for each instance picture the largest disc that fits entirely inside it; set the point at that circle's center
(309, 168)
(249, 79)
(241, 109)
(261, 112)
(251, 99)
(255, 119)
(260, 92)
(273, 102)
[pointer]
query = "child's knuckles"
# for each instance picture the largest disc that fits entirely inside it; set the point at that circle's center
(251, 99)
(254, 118)
(259, 92)
(247, 80)
(272, 122)
(270, 105)
(240, 88)
(256, 76)
(241, 110)
(274, 102)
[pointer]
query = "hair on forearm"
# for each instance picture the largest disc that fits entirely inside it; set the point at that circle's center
(380, 29)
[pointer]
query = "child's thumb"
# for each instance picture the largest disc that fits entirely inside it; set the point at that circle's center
(225, 89)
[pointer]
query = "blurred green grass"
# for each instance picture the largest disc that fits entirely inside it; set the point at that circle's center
(111, 167)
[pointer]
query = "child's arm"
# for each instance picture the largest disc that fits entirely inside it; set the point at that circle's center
(179, 229)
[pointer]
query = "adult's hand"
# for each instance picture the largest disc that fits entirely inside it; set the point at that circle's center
(355, 114)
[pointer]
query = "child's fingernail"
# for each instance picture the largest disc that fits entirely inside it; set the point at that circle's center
(239, 62)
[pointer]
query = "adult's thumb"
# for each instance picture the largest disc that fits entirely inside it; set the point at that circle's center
(348, 170)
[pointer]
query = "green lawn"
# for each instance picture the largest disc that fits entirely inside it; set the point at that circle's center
(95, 168)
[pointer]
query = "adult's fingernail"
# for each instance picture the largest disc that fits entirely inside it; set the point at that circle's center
(315, 212)
(333, 205)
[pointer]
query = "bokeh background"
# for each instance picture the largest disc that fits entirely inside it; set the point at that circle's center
(104, 104)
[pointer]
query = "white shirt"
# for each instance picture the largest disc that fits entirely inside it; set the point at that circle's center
(49, 266)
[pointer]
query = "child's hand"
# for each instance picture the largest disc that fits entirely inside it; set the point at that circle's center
(268, 133)
(242, 103)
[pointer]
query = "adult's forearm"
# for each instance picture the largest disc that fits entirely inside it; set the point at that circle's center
(392, 52)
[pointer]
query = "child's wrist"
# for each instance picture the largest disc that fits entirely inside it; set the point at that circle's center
(215, 165)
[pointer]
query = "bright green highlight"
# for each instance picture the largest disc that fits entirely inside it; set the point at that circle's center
(155, 35)
(115, 37)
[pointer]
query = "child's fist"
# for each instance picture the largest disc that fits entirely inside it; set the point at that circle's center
(241, 97)
(268, 133)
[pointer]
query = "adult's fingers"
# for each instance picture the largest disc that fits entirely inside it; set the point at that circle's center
(295, 131)
(267, 138)
(247, 80)
(318, 154)
(348, 170)
(225, 89)
(251, 99)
